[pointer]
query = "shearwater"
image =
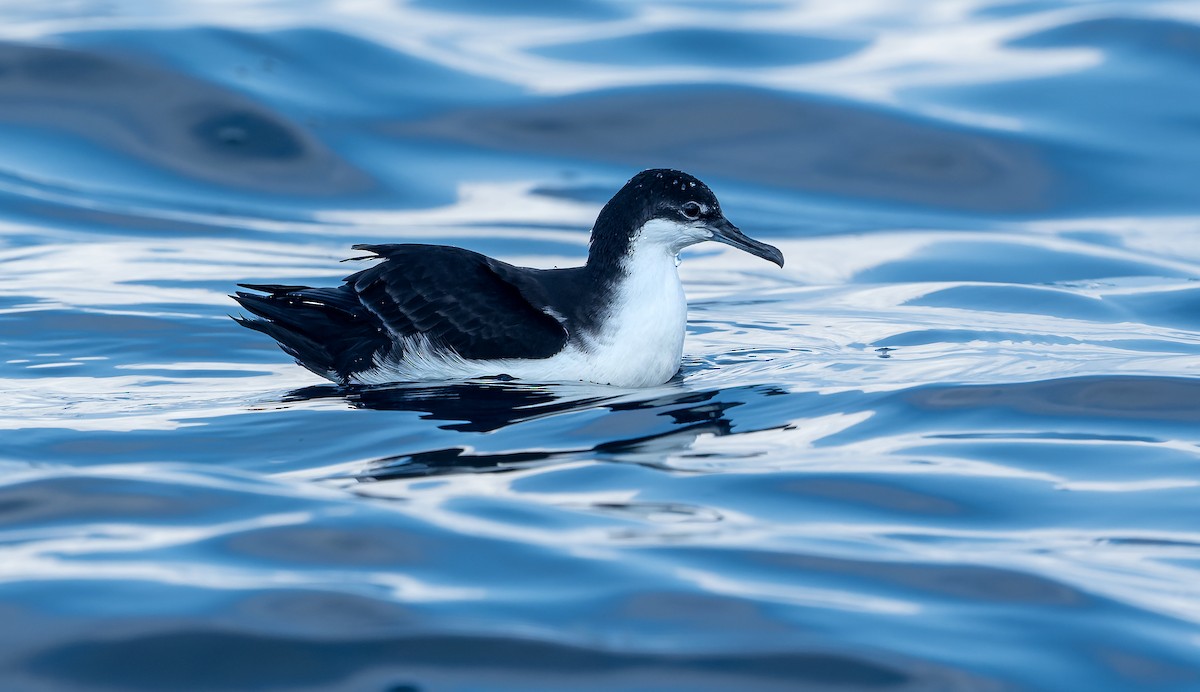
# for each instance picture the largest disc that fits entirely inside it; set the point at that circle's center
(433, 312)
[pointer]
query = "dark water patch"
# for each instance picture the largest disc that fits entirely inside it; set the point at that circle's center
(1135, 541)
(593, 194)
(77, 218)
(961, 336)
(1101, 238)
(1175, 308)
(68, 207)
(771, 139)
(1144, 668)
(249, 135)
(1014, 263)
(1070, 410)
(274, 444)
(319, 75)
(1016, 435)
(717, 48)
(182, 659)
(1163, 346)
(663, 612)
(56, 66)
(1134, 37)
(1025, 300)
(1128, 398)
(799, 495)
(315, 613)
(875, 495)
(169, 121)
(1106, 460)
(984, 585)
(1119, 117)
(67, 500)
(358, 545)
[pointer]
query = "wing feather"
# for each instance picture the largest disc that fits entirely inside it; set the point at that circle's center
(474, 305)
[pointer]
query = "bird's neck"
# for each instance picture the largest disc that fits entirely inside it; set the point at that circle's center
(611, 241)
(637, 336)
(644, 282)
(613, 265)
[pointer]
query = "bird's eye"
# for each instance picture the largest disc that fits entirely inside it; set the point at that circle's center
(691, 210)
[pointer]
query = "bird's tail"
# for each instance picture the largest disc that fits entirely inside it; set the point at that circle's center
(325, 329)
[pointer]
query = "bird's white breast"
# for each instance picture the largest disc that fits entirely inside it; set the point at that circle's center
(640, 341)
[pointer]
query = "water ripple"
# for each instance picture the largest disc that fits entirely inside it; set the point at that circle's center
(953, 445)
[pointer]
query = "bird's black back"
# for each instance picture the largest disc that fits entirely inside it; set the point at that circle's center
(461, 301)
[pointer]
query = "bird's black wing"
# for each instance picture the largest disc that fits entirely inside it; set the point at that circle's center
(478, 307)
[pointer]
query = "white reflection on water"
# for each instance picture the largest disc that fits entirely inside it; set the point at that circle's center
(478, 202)
(912, 44)
(795, 594)
(126, 403)
(109, 549)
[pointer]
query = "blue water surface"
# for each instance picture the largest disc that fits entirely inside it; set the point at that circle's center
(953, 445)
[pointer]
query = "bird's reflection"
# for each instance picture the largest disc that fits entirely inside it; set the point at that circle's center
(640, 429)
(468, 407)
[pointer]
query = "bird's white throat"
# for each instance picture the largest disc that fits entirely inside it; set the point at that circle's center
(640, 339)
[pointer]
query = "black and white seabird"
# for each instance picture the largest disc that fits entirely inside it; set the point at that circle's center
(432, 312)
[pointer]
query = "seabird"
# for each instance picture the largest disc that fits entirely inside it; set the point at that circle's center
(433, 312)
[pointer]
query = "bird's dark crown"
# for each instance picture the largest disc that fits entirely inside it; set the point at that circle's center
(657, 193)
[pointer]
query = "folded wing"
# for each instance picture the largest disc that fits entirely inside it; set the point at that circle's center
(458, 300)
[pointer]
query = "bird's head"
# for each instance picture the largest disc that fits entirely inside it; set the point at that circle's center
(667, 210)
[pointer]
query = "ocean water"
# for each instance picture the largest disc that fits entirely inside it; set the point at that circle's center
(953, 445)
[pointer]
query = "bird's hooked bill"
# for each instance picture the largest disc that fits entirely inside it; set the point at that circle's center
(725, 232)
